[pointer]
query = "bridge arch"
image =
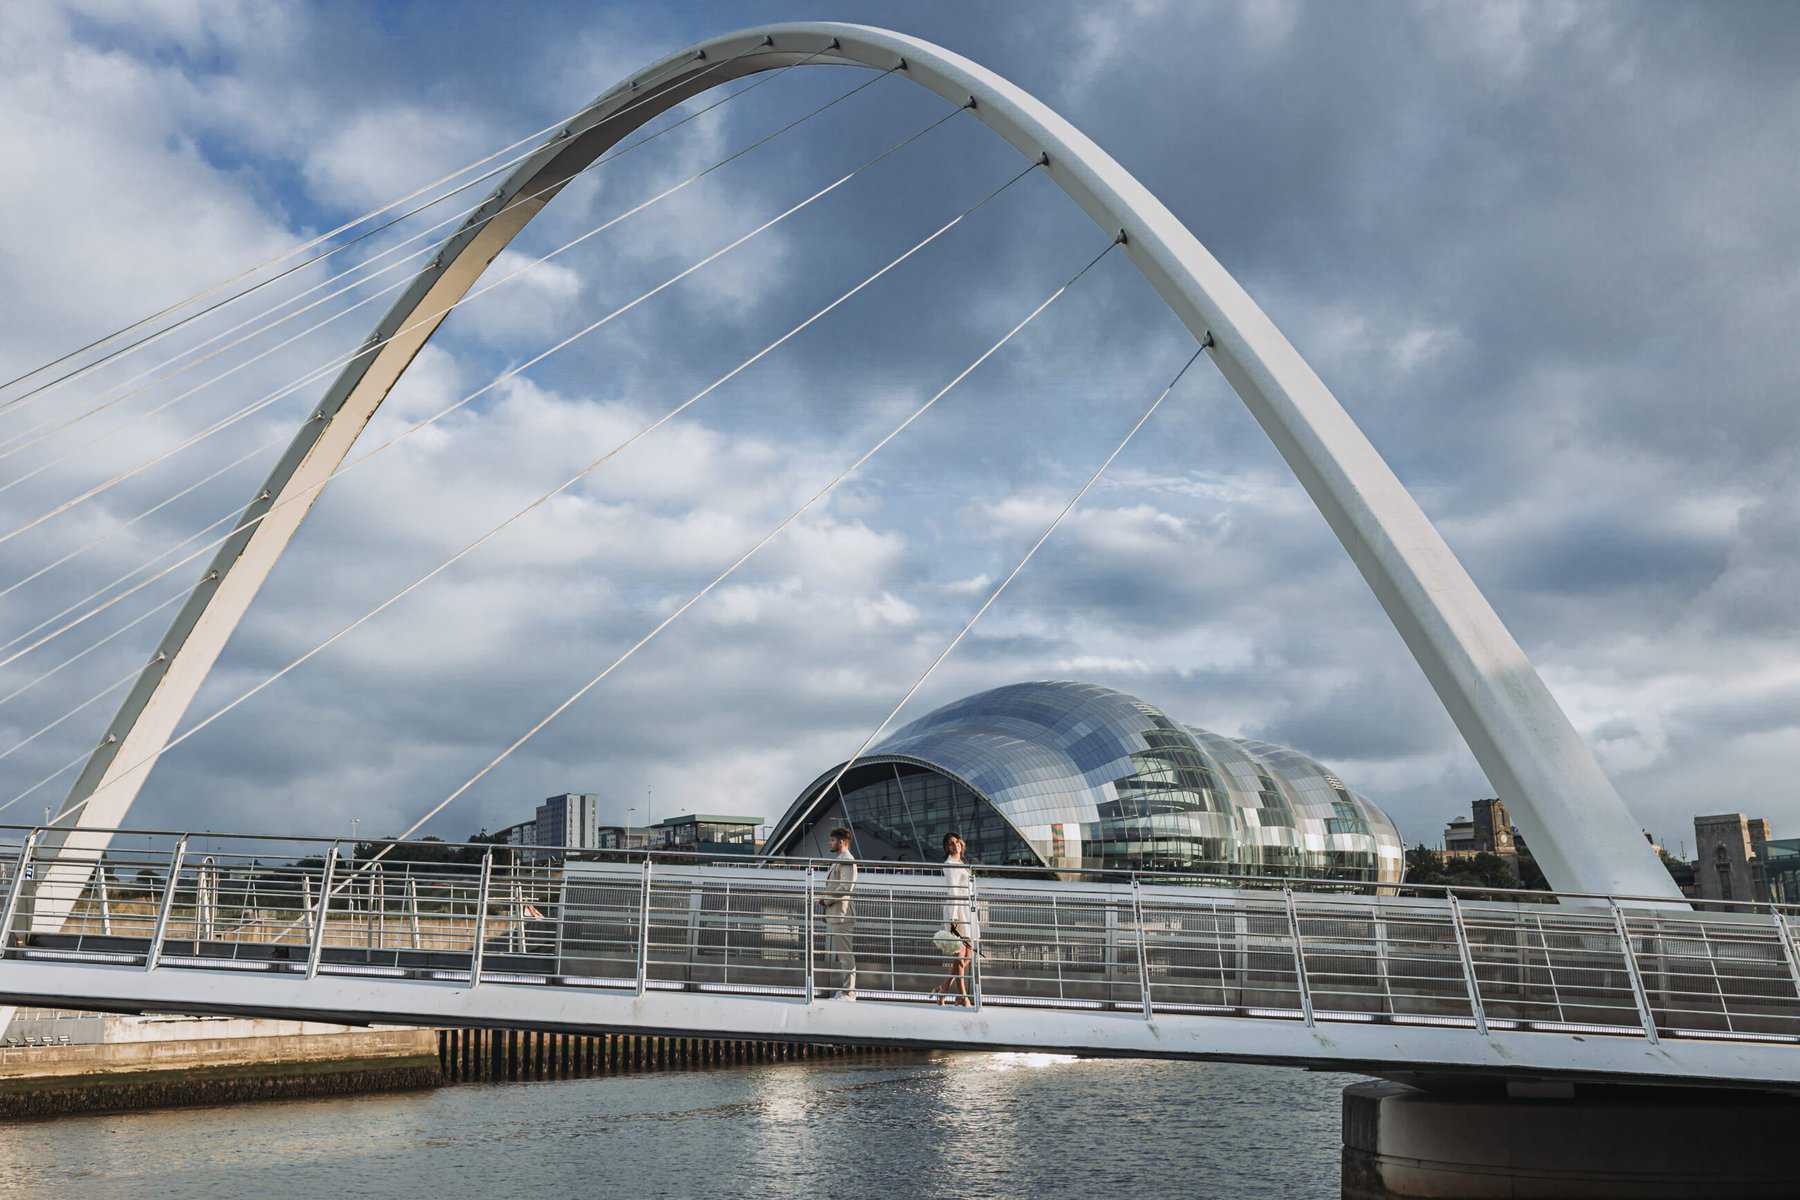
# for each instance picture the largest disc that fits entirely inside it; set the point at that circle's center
(1579, 828)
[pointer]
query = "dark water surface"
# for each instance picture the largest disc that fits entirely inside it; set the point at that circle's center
(986, 1125)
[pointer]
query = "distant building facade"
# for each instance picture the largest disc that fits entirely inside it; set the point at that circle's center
(571, 821)
(1731, 853)
(522, 834)
(1488, 829)
(1493, 828)
(698, 833)
(1781, 869)
(623, 837)
(1065, 776)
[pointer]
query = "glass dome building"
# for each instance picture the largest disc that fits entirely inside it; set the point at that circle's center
(1072, 775)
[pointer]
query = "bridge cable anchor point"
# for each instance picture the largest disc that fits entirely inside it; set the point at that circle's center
(1043, 158)
(1122, 239)
(1207, 343)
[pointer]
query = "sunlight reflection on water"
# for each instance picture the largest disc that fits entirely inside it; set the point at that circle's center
(977, 1125)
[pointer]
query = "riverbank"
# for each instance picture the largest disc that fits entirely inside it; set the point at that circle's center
(122, 1063)
(167, 1062)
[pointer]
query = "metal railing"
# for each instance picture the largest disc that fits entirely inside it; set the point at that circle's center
(1149, 944)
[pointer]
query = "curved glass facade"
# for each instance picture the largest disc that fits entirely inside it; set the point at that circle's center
(1072, 775)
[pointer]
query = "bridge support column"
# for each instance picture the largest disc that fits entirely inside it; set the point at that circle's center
(1572, 1144)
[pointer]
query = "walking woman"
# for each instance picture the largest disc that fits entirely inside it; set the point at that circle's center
(959, 919)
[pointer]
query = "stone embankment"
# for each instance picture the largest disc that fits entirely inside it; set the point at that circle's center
(181, 1061)
(113, 1064)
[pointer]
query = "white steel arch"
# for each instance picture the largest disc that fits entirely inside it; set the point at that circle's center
(1578, 827)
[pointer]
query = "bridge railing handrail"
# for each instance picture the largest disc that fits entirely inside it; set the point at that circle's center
(1225, 874)
(1124, 941)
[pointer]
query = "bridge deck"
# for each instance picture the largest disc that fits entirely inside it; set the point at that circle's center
(1098, 964)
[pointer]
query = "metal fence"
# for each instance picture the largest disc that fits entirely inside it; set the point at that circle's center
(1318, 951)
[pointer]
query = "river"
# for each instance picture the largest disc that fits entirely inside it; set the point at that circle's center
(970, 1125)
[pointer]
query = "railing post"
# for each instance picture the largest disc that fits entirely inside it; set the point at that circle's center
(412, 907)
(562, 905)
(1467, 955)
(378, 885)
(481, 911)
(1293, 916)
(1137, 916)
(153, 954)
(1381, 959)
(1786, 933)
(975, 943)
(16, 888)
(1631, 970)
(206, 896)
(643, 962)
(321, 913)
(105, 898)
(806, 917)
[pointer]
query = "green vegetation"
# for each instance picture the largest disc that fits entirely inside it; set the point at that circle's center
(1429, 867)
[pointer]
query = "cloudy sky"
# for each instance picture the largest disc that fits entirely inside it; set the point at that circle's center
(1545, 254)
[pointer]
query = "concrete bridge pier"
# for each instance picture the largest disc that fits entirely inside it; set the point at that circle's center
(1567, 1142)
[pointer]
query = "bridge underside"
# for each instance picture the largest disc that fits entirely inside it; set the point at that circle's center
(1413, 1051)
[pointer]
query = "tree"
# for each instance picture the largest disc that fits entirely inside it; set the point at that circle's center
(1428, 868)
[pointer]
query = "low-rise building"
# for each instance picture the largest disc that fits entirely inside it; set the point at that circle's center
(700, 833)
(1781, 869)
(622, 837)
(522, 834)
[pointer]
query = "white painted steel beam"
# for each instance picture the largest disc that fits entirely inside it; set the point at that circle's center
(1580, 830)
(1370, 1048)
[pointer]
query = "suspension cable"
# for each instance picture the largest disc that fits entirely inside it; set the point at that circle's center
(509, 373)
(303, 247)
(672, 617)
(722, 576)
(91, 647)
(104, 692)
(159, 374)
(837, 779)
(940, 231)
(375, 345)
(62, 770)
(78, 551)
(103, 589)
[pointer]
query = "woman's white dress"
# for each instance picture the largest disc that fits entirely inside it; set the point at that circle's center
(959, 914)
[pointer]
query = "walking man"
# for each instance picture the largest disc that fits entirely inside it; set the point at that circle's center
(840, 917)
